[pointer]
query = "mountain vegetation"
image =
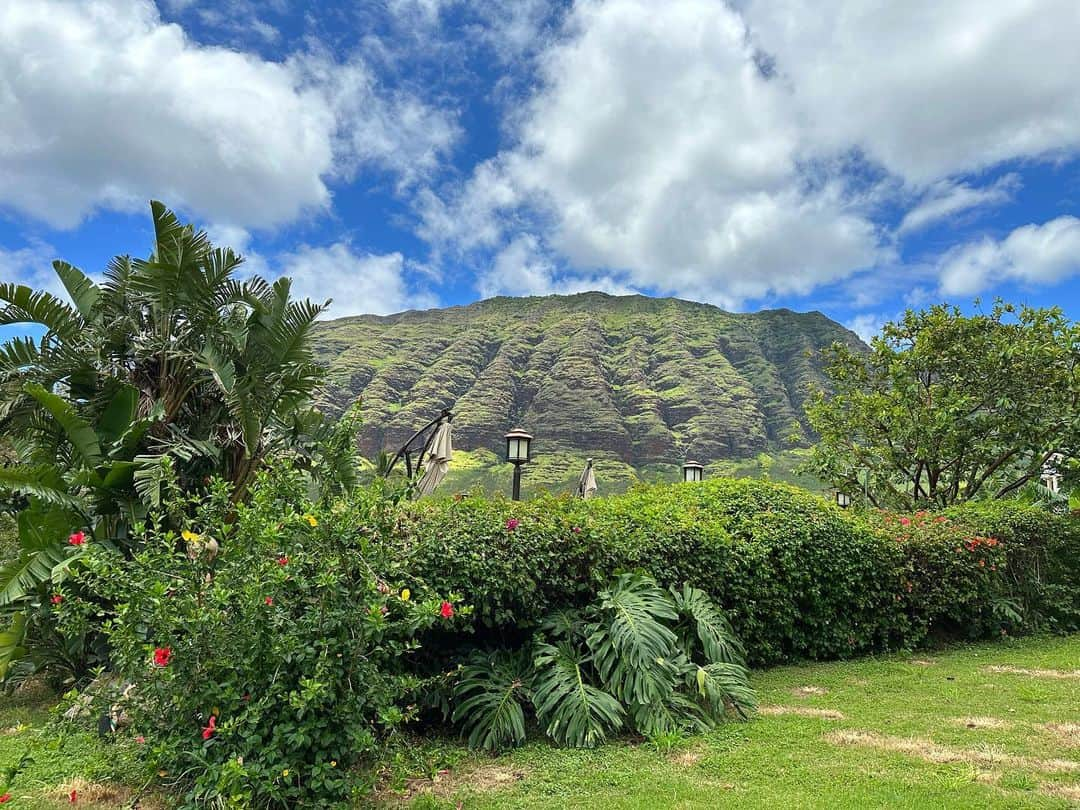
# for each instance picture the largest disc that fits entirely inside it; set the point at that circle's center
(638, 383)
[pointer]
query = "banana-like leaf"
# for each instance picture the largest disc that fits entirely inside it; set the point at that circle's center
(78, 431)
(11, 643)
(573, 711)
(119, 414)
(489, 697)
(82, 290)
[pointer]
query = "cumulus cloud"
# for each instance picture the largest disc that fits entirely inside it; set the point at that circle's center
(358, 283)
(1033, 254)
(926, 88)
(717, 150)
(657, 147)
(106, 105)
(523, 267)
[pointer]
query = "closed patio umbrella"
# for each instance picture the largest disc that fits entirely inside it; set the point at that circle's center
(438, 460)
(586, 487)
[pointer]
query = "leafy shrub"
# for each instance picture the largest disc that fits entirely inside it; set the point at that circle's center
(952, 581)
(1043, 558)
(267, 646)
(655, 661)
(798, 577)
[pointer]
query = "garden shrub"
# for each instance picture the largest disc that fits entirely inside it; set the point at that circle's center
(268, 647)
(1043, 558)
(798, 577)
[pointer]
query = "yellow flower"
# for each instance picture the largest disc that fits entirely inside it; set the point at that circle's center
(285, 773)
(191, 537)
(333, 763)
(163, 773)
(405, 594)
(312, 522)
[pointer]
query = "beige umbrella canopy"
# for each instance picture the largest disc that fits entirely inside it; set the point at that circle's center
(586, 487)
(438, 460)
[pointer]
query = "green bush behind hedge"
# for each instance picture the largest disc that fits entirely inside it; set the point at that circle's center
(799, 577)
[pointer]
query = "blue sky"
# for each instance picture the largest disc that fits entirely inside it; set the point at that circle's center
(852, 156)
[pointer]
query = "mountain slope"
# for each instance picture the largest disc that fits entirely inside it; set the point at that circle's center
(640, 382)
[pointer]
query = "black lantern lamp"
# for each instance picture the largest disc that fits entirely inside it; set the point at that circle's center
(518, 444)
(843, 500)
(692, 471)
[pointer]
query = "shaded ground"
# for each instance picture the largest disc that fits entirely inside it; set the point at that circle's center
(995, 725)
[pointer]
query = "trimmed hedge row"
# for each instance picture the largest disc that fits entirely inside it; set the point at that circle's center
(800, 577)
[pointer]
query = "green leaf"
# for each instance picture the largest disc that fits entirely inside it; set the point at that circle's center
(488, 700)
(572, 711)
(703, 619)
(82, 290)
(11, 643)
(119, 415)
(78, 431)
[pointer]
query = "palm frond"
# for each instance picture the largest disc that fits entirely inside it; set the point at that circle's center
(25, 305)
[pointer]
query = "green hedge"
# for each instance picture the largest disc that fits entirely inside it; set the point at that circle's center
(800, 578)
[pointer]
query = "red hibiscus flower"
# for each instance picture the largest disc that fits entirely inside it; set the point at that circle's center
(73, 796)
(140, 739)
(5, 798)
(282, 560)
(905, 521)
(57, 599)
(77, 539)
(269, 600)
(447, 610)
(162, 656)
(208, 732)
(512, 524)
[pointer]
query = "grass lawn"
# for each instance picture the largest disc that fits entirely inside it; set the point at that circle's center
(993, 725)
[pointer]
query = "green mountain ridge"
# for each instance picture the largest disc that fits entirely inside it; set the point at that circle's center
(638, 383)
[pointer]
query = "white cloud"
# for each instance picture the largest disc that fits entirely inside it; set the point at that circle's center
(361, 283)
(656, 148)
(105, 105)
(31, 265)
(523, 268)
(1034, 254)
(866, 325)
(948, 198)
(929, 88)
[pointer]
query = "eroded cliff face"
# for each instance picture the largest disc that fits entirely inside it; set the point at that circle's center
(643, 380)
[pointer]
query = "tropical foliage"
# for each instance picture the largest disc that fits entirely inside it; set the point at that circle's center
(654, 661)
(169, 371)
(947, 407)
(268, 644)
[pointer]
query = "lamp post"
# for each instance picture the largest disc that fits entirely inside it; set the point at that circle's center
(843, 500)
(517, 453)
(692, 471)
